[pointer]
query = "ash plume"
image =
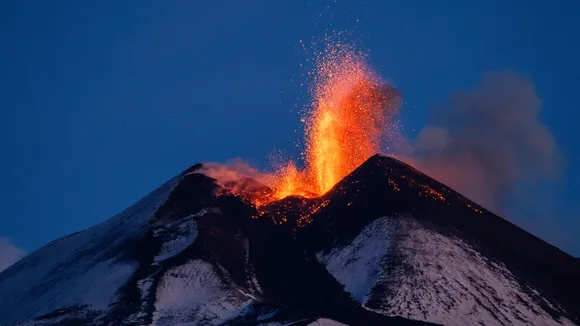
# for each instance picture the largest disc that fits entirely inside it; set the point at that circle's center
(488, 142)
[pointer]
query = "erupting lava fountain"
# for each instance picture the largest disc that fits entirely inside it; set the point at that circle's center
(351, 114)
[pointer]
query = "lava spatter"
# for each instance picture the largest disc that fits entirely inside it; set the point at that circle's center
(351, 113)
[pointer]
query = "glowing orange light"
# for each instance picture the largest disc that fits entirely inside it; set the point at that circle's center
(345, 124)
(394, 185)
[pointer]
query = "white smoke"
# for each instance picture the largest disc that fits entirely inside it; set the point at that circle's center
(233, 171)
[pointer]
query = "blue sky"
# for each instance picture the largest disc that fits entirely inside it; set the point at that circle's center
(103, 101)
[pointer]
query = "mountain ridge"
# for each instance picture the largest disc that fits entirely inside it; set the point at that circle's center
(193, 233)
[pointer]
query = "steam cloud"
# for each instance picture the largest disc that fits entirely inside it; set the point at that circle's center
(233, 170)
(488, 142)
(9, 254)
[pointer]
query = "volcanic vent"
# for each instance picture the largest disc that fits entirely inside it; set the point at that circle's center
(351, 117)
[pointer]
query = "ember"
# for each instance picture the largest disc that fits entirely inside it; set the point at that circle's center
(475, 209)
(348, 118)
(394, 185)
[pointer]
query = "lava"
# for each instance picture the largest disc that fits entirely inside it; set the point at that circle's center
(350, 115)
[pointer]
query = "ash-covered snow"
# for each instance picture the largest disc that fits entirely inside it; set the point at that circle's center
(177, 236)
(287, 323)
(326, 322)
(144, 286)
(78, 269)
(194, 294)
(425, 275)
(358, 265)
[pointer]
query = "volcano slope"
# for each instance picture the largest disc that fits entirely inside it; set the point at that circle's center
(386, 246)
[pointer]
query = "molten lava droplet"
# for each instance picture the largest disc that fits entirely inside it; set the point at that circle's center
(291, 182)
(349, 117)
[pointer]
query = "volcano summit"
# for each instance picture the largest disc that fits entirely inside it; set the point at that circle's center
(387, 245)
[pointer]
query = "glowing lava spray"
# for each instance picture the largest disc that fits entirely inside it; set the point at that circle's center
(351, 113)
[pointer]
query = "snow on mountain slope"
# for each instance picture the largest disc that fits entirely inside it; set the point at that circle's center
(399, 267)
(358, 265)
(317, 322)
(193, 294)
(326, 322)
(83, 270)
(176, 236)
(196, 253)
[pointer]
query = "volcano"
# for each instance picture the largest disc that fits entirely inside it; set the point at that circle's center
(387, 245)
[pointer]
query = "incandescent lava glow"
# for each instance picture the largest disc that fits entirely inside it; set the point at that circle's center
(349, 117)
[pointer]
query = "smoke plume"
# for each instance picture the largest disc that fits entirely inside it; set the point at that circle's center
(232, 171)
(9, 254)
(487, 142)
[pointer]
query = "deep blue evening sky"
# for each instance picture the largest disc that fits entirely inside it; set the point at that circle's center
(103, 101)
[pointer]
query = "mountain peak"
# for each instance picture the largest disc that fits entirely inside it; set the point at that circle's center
(386, 245)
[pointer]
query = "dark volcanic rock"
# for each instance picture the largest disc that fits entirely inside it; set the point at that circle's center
(386, 246)
(416, 204)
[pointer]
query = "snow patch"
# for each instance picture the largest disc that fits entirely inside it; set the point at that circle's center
(358, 264)
(415, 272)
(326, 322)
(176, 237)
(193, 294)
(96, 288)
(443, 279)
(283, 324)
(144, 287)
